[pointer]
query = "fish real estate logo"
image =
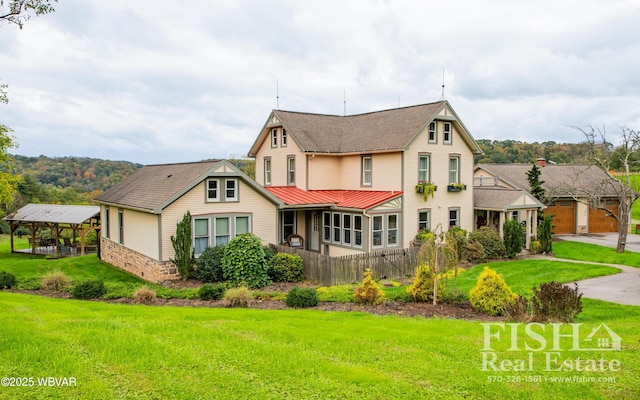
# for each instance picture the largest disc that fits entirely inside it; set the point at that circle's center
(556, 344)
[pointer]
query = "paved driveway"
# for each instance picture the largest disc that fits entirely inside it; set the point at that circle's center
(622, 288)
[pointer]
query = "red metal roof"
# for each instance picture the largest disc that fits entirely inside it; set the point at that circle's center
(362, 199)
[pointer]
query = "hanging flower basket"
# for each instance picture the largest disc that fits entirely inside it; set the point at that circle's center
(426, 189)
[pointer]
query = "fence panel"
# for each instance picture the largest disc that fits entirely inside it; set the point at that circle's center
(326, 270)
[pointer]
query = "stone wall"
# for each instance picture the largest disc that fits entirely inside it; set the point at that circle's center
(136, 263)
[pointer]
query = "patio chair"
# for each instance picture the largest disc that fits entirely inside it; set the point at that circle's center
(295, 241)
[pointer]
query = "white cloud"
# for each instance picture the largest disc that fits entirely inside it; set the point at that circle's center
(159, 82)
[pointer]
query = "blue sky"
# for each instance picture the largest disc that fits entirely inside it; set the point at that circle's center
(158, 81)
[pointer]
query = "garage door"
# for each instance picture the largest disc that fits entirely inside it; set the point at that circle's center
(600, 222)
(564, 216)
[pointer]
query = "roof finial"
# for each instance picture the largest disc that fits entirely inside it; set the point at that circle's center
(277, 96)
(344, 99)
(442, 96)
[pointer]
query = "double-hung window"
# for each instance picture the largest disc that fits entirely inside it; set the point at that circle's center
(454, 169)
(346, 229)
(291, 170)
(433, 132)
(357, 230)
(267, 171)
(274, 138)
(213, 190)
(231, 190)
(454, 217)
(107, 222)
(424, 166)
(424, 220)
(446, 133)
(367, 169)
(326, 227)
(392, 230)
(283, 142)
(121, 226)
(378, 231)
(222, 231)
(336, 227)
(201, 235)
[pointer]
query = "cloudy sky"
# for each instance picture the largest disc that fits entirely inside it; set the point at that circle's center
(155, 81)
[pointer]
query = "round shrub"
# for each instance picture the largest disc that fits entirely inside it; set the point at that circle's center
(534, 247)
(55, 280)
(144, 295)
(238, 297)
(474, 253)
(285, 267)
(491, 293)
(268, 253)
(90, 289)
(422, 287)
(7, 280)
(489, 238)
(369, 292)
(209, 265)
(243, 262)
(302, 297)
(209, 291)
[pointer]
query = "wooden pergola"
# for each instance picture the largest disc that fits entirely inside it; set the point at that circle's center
(38, 217)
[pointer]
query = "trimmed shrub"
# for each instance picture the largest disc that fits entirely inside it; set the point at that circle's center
(56, 281)
(556, 302)
(369, 292)
(268, 253)
(513, 237)
(209, 265)
(302, 297)
(243, 262)
(209, 291)
(422, 287)
(144, 295)
(475, 253)
(90, 289)
(534, 247)
(491, 293)
(544, 235)
(238, 297)
(7, 280)
(490, 239)
(285, 267)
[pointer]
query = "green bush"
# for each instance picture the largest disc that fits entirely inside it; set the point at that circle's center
(490, 239)
(302, 297)
(210, 291)
(459, 236)
(545, 236)
(7, 280)
(238, 297)
(474, 253)
(55, 280)
(513, 237)
(209, 265)
(422, 287)
(518, 310)
(424, 235)
(181, 243)
(285, 267)
(534, 247)
(89, 289)
(144, 295)
(491, 293)
(556, 302)
(243, 262)
(369, 292)
(268, 253)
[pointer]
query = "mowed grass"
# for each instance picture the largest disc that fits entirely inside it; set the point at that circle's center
(118, 351)
(595, 253)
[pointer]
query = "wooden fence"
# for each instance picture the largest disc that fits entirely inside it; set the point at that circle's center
(326, 270)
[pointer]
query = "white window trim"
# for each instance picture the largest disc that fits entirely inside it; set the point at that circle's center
(444, 132)
(428, 170)
(373, 231)
(435, 132)
(364, 171)
(207, 190)
(361, 230)
(352, 229)
(211, 225)
(457, 209)
(283, 138)
(457, 180)
(267, 171)
(291, 173)
(274, 138)
(236, 189)
(397, 229)
(428, 222)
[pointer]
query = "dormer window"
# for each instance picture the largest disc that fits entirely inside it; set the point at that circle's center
(447, 133)
(284, 138)
(433, 133)
(274, 138)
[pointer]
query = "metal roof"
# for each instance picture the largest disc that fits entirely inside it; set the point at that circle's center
(360, 199)
(53, 213)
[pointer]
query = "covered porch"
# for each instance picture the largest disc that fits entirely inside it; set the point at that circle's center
(494, 205)
(56, 230)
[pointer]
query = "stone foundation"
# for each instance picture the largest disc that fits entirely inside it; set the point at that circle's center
(136, 263)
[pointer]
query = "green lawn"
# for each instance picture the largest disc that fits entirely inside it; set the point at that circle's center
(125, 351)
(595, 253)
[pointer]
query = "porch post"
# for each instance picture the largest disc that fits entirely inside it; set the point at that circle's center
(500, 225)
(527, 239)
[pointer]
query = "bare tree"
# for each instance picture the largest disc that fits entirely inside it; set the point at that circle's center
(620, 186)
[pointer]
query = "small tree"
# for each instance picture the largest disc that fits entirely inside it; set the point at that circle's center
(545, 236)
(181, 242)
(535, 184)
(513, 237)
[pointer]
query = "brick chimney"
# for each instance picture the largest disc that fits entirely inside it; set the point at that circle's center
(541, 162)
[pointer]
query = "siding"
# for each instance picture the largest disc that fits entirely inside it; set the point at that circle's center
(279, 163)
(263, 213)
(324, 172)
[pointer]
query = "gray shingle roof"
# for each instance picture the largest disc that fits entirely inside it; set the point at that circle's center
(152, 186)
(53, 213)
(375, 131)
(559, 180)
(498, 198)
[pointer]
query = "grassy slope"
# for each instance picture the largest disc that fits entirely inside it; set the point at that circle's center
(595, 253)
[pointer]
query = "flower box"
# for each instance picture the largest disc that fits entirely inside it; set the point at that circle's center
(456, 187)
(426, 189)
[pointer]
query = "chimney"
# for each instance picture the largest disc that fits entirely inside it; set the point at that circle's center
(541, 162)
